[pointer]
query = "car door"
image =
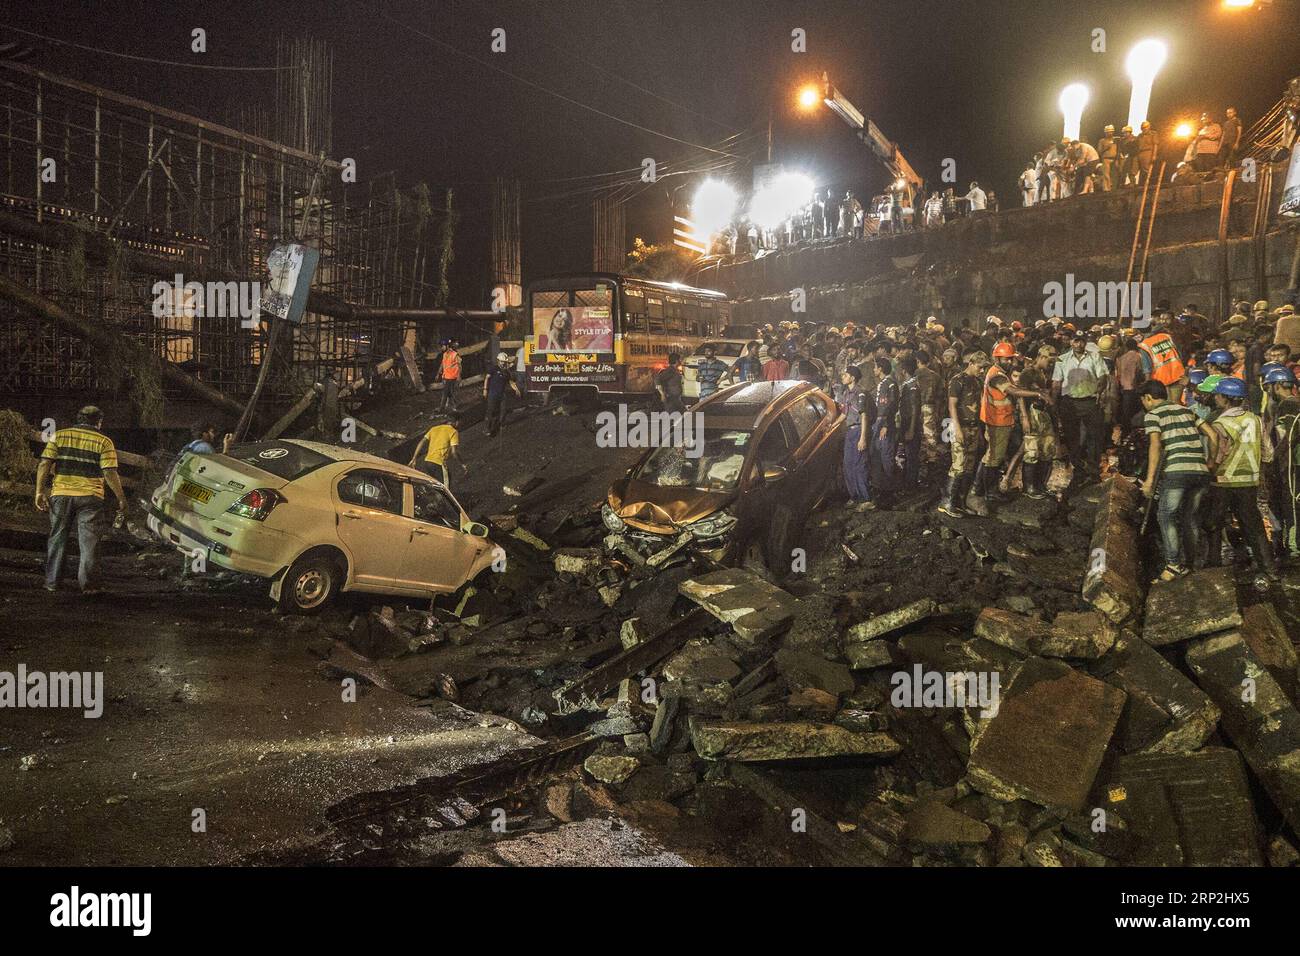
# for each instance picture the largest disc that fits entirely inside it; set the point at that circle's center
(764, 513)
(440, 554)
(371, 526)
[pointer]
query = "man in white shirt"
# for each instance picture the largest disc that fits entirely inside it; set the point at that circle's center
(1029, 184)
(1085, 158)
(977, 198)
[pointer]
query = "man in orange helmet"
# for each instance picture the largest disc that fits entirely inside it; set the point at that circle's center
(998, 413)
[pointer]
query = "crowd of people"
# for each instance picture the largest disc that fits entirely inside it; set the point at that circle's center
(1074, 167)
(1205, 415)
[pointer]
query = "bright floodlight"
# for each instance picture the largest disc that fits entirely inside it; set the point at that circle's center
(1239, 3)
(1073, 99)
(713, 207)
(809, 97)
(1183, 130)
(772, 204)
(1143, 63)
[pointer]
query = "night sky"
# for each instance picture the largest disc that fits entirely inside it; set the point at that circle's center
(976, 81)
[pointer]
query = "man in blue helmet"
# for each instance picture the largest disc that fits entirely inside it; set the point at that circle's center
(1239, 448)
(1219, 362)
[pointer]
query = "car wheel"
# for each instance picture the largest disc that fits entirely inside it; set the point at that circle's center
(310, 584)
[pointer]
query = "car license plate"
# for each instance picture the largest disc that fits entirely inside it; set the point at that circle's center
(198, 493)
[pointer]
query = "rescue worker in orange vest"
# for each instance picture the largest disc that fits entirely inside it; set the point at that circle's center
(449, 372)
(998, 413)
(1162, 363)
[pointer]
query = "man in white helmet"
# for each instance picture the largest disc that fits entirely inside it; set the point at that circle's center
(495, 384)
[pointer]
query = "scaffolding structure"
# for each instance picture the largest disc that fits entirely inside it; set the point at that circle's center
(215, 200)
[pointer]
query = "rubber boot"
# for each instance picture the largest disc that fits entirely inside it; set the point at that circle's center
(952, 504)
(973, 501)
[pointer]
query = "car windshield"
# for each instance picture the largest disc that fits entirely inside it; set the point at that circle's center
(723, 349)
(717, 469)
(282, 459)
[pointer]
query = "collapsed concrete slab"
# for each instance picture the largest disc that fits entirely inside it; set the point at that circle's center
(806, 669)
(892, 621)
(1165, 712)
(578, 561)
(1191, 809)
(793, 740)
(1258, 717)
(1086, 635)
(752, 606)
(1268, 639)
(873, 654)
(1200, 603)
(932, 826)
(1114, 563)
(1048, 738)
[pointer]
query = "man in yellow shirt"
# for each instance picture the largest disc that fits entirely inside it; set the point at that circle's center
(82, 461)
(437, 448)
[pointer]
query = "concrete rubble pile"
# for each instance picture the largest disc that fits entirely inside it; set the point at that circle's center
(1110, 724)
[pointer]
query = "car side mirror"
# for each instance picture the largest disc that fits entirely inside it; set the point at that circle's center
(477, 529)
(773, 472)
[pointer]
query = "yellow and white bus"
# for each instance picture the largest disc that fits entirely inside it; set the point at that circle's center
(613, 333)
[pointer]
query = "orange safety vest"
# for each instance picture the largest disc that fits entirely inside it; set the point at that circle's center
(995, 404)
(1166, 366)
(450, 365)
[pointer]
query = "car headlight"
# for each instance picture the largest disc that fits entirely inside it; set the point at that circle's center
(714, 525)
(612, 521)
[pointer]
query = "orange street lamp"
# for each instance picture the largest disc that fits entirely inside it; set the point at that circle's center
(809, 97)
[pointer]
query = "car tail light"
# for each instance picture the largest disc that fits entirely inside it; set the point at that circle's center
(257, 504)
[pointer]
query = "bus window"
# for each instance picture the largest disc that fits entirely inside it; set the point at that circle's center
(603, 294)
(691, 317)
(706, 325)
(673, 315)
(655, 311)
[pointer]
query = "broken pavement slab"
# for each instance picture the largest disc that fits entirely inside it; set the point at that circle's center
(1189, 809)
(932, 826)
(894, 620)
(1114, 563)
(743, 741)
(1258, 717)
(752, 606)
(578, 561)
(1197, 604)
(1084, 635)
(1048, 738)
(801, 669)
(1268, 639)
(1165, 711)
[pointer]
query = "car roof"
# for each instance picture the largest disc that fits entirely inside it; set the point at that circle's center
(750, 402)
(337, 452)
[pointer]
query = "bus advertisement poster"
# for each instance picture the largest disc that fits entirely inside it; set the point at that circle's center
(582, 328)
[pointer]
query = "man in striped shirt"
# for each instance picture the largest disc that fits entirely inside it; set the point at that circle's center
(82, 460)
(1176, 467)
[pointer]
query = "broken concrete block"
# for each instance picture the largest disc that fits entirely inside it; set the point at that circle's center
(946, 651)
(610, 593)
(610, 768)
(1027, 512)
(1165, 712)
(1084, 635)
(1200, 603)
(1268, 639)
(632, 632)
(700, 662)
(812, 702)
(883, 828)
(559, 802)
(752, 606)
(808, 669)
(932, 826)
(578, 561)
(1258, 717)
(1190, 809)
(1018, 633)
(1114, 564)
(661, 730)
(884, 623)
(872, 654)
(794, 740)
(520, 485)
(1048, 737)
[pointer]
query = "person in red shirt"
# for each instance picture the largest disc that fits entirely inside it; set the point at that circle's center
(776, 369)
